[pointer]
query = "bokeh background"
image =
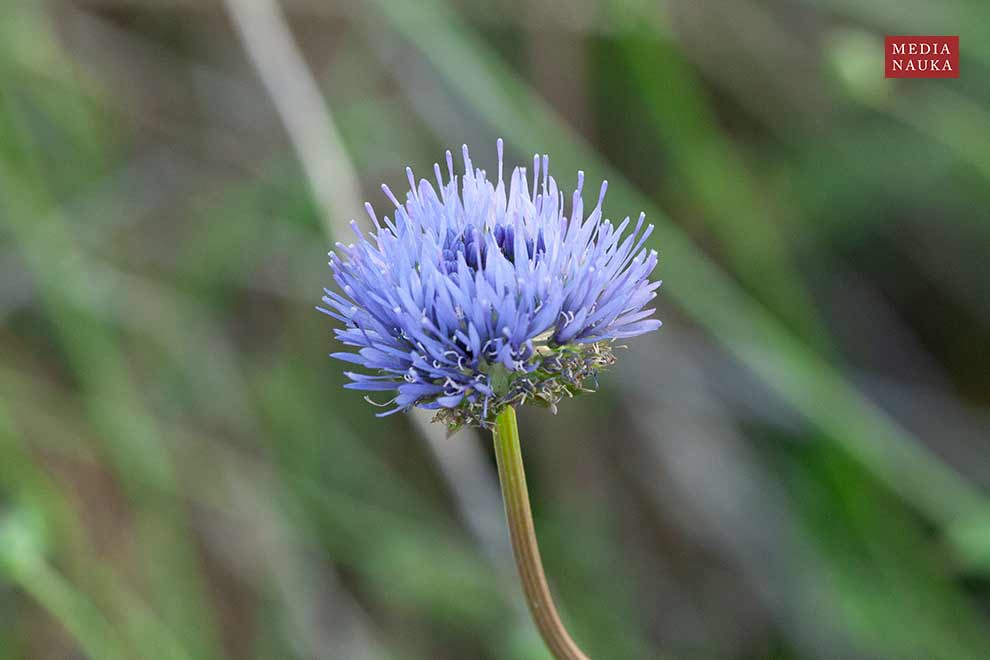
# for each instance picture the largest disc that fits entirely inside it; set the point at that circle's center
(795, 466)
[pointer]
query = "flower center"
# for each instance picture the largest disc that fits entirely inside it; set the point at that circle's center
(475, 250)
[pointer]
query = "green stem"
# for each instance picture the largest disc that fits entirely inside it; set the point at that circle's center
(508, 454)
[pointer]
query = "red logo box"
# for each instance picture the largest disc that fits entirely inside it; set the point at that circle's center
(921, 57)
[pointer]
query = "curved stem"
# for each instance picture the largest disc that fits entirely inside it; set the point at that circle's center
(508, 454)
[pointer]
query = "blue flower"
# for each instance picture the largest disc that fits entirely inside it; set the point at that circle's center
(474, 297)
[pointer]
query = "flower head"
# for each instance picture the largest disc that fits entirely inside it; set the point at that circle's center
(475, 297)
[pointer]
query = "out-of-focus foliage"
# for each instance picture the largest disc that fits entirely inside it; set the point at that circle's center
(796, 466)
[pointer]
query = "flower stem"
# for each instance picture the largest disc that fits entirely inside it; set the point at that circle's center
(508, 454)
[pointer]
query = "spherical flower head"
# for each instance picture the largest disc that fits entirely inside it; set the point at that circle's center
(475, 297)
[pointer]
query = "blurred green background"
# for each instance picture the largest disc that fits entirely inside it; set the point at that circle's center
(795, 466)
